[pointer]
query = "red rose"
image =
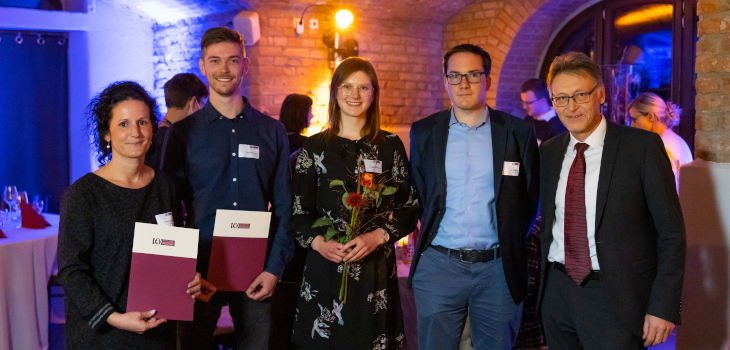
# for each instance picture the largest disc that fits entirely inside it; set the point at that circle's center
(355, 200)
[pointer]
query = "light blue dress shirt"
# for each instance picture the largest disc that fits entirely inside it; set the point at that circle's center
(470, 217)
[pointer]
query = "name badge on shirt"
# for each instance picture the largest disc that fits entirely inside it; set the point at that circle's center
(248, 151)
(511, 169)
(164, 219)
(373, 166)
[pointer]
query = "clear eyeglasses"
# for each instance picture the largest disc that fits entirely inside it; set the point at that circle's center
(348, 89)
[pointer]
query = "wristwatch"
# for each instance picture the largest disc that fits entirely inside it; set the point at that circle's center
(385, 235)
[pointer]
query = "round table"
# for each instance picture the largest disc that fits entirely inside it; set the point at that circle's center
(27, 258)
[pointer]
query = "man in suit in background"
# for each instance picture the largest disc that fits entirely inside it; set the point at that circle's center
(476, 172)
(540, 113)
(542, 117)
(613, 239)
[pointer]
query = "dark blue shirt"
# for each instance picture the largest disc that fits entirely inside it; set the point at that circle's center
(202, 154)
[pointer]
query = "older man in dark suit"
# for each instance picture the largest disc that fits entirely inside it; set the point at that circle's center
(476, 172)
(613, 239)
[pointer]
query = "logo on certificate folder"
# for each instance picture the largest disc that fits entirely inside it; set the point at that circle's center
(240, 225)
(167, 242)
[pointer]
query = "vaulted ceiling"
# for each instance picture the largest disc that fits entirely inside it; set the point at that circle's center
(164, 11)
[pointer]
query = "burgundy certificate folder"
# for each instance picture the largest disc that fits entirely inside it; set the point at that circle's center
(163, 263)
(239, 248)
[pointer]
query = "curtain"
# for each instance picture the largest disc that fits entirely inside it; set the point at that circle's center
(34, 135)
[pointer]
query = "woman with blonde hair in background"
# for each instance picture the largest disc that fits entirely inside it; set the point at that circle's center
(649, 112)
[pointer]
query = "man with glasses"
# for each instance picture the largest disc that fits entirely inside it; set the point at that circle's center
(476, 172)
(540, 114)
(613, 239)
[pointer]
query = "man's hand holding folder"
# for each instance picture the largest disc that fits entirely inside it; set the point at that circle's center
(201, 289)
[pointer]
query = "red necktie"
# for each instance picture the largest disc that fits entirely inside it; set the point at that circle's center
(577, 253)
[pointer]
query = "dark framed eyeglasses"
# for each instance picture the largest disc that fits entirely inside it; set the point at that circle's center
(526, 103)
(471, 77)
(634, 118)
(579, 98)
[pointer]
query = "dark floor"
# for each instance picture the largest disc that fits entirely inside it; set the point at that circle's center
(57, 329)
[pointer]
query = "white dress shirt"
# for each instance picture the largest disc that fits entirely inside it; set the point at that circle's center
(547, 115)
(593, 156)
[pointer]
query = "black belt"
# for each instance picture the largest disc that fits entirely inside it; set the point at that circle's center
(470, 255)
(594, 275)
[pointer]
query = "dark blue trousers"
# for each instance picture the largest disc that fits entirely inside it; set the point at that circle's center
(446, 290)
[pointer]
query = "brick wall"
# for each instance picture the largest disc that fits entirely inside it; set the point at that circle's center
(524, 58)
(405, 56)
(491, 25)
(177, 49)
(712, 141)
(515, 33)
(283, 63)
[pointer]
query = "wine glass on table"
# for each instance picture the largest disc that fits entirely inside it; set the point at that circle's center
(23, 197)
(10, 196)
(38, 204)
(4, 214)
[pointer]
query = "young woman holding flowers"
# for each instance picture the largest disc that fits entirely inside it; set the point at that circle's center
(352, 201)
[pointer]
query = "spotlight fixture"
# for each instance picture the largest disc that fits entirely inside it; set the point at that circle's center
(344, 18)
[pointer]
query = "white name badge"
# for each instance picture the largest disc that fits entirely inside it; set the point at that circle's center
(248, 151)
(511, 169)
(165, 219)
(373, 166)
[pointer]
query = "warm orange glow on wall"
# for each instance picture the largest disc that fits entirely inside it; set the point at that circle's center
(646, 14)
(320, 98)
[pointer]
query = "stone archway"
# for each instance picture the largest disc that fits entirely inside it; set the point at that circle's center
(516, 34)
(528, 48)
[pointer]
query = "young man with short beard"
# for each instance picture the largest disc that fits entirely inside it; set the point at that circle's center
(203, 153)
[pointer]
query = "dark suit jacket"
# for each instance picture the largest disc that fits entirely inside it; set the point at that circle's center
(516, 196)
(640, 239)
(545, 130)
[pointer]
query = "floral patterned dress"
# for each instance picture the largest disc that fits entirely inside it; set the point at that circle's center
(343, 188)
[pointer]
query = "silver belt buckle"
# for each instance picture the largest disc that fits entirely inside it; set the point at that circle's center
(463, 252)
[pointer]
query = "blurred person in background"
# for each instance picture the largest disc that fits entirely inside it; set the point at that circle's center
(540, 113)
(184, 94)
(296, 113)
(649, 112)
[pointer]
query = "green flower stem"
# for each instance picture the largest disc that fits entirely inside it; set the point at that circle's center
(343, 286)
(344, 300)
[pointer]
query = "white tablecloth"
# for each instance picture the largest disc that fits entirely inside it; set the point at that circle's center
(26, 262)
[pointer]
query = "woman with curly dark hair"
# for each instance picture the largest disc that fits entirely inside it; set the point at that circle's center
(96, 231)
